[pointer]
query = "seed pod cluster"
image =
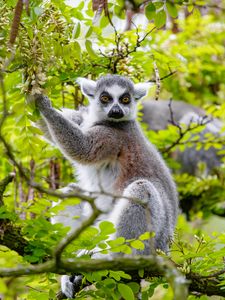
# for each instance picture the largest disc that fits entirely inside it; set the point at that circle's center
(33, 58)
(127, 68)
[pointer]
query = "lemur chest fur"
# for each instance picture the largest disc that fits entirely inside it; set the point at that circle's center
(114, 173)
(99, 176)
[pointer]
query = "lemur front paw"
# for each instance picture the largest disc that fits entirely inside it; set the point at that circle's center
(42, 102)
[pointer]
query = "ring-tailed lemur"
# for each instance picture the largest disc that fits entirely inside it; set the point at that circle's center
(111, 153)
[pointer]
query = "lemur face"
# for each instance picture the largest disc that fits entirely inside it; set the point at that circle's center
(113, 97)
(116, 102)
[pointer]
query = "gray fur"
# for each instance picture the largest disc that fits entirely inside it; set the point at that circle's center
(114, 155)
(109, 80)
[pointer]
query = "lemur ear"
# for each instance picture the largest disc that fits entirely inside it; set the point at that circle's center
(141, 89)
(87, 86)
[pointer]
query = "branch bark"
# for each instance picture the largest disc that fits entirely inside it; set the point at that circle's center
(10, 235)
(3, 185)
(154, 266)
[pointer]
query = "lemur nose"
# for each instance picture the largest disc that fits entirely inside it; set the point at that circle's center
(115, 112)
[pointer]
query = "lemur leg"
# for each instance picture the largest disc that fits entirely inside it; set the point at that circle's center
(133, 219)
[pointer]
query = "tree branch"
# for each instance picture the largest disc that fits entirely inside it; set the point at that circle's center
(154, 266)
(3, 185)
(10, 235)
(182, 132)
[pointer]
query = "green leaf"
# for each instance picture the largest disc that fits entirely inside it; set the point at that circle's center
(150, 11)
(137, 245)
(90, 50)
(125, 291)
(107, 228)
(160, 19)
(35, 130)
(104, 21)
(102, 245)
(134, 286)
(172, 10)
(89, 32)
(3, 286)
(115, 275)
(124, 275)
(76, 31)
(77, 50)
(190, 8)
(141, 273)
(118, 241)
(110, 283)
(144, 236)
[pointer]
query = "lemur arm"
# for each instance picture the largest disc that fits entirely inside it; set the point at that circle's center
(93, 146)
(74, 116)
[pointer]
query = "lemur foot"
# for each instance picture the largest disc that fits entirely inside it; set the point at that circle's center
(70, 285)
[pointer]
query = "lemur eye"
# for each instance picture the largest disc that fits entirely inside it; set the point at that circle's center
(105, 99)
(125, 100)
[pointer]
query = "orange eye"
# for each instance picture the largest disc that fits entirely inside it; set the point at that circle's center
(105, 99)
(125, 100)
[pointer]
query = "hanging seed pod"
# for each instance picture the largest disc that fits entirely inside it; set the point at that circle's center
(157, 80)
(16, 22)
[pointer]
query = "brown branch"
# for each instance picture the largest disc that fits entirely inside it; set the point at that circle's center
(212, 275)
(182, 132)
(10, 235)
(154, 267)
(205, 286)
(164, 77)
(14, 69)
(75, 234)
(122, 51)
(3, 185)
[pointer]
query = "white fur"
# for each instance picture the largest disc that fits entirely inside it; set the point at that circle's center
(97, 178)
(129, 111)
(87, 86)
(141, 89)
(118, 211)
(115, 91)
(67, 286)
(66, 217)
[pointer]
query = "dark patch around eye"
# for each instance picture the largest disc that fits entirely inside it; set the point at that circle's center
(125, 95)
(105, 94)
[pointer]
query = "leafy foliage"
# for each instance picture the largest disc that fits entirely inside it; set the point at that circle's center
(57, 43)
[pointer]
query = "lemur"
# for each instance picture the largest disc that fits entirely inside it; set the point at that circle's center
(110, 153)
